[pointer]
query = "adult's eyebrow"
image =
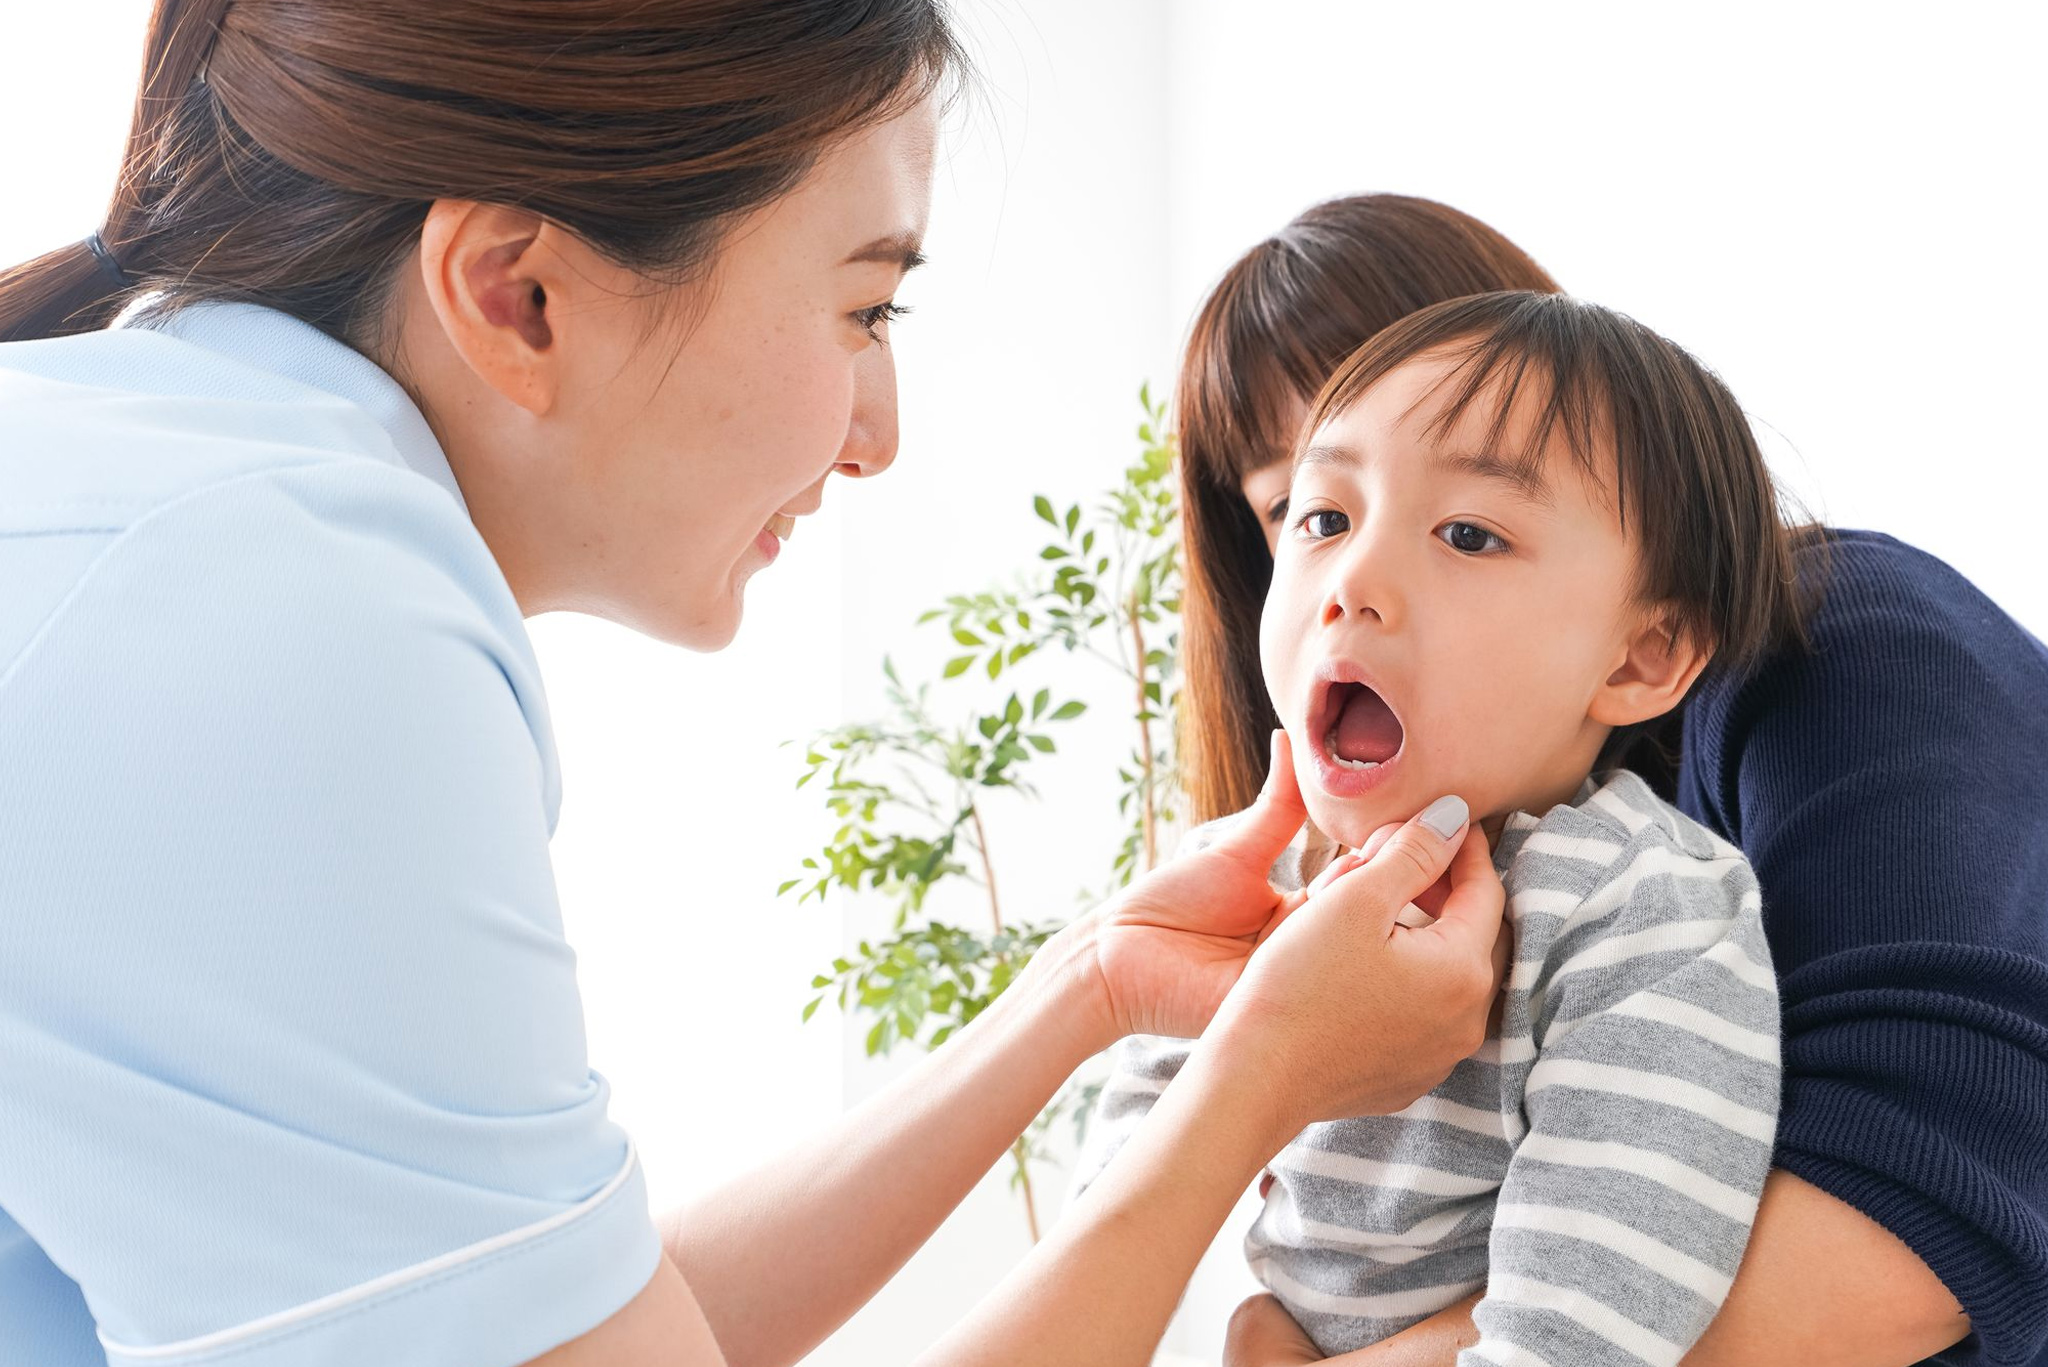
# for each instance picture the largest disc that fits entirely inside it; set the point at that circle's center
(903, 250)
(1523, 481)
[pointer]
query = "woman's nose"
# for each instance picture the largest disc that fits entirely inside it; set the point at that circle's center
(870, 445)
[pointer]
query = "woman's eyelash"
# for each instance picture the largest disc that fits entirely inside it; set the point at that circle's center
(1278, 512)
(872, 318)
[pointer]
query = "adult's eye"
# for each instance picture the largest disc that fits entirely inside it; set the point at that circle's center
(1325, 522)
(1472, 540)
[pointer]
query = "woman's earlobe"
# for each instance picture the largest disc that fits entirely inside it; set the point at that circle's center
(482, 274)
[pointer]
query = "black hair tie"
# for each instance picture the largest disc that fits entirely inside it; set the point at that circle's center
(112, 268)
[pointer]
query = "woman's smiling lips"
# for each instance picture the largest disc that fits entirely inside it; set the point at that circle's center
(770, 538)
(1338, 777)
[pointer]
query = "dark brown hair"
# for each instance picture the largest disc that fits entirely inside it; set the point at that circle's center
(1267, 337)
(1645, 423)
(285, 152)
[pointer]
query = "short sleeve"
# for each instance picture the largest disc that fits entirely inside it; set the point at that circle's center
(292, 1063)
(1888, 788)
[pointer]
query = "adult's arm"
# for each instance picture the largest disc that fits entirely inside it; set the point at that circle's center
(781, 1256)
(1888, 789)
(1821, 1284)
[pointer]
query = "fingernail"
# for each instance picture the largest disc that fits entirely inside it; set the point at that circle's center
(1446, 816)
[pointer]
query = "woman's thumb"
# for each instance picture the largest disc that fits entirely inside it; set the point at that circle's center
(1266, 827)
(1417, 854)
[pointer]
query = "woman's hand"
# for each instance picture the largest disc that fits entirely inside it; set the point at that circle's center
(1356, 1003)
(1263, 1334)
(1172, 946)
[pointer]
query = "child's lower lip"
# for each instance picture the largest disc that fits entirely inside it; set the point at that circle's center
(1339, 780)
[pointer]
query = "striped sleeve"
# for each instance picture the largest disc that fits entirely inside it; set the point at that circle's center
(1651, 1106)
(1140, 1068)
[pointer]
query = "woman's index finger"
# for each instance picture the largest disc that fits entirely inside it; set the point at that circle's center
(1477, 900)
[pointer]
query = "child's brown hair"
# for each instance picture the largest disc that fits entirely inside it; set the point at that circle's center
(1690, 486)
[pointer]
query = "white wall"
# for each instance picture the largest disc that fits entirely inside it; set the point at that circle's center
(1836, 207)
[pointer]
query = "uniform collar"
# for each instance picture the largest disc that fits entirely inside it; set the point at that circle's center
(268, 340)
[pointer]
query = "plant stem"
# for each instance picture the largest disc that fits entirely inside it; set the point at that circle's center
(988, 870)
(1018, 1152)
(1144, 736)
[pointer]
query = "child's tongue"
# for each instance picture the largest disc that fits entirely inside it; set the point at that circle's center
(1366, 728)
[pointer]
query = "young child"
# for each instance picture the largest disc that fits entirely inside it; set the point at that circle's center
(1520, 526)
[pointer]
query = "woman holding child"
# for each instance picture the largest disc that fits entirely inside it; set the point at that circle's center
(1877, 775)
(408, 321)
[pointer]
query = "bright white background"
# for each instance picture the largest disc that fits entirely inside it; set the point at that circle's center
(1838, 207)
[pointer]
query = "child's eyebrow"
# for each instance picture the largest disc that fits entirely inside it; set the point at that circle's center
(1342, 456)
(1524, 481)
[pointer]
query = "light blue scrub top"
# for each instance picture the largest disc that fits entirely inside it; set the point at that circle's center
(292, 1063)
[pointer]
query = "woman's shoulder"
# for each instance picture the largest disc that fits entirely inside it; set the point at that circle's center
(1906, 658)
(131, 448)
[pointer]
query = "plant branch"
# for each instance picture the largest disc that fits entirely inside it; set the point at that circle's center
(1144, 738)
(988, 873)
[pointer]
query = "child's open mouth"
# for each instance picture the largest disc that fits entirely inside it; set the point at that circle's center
(1357, 735)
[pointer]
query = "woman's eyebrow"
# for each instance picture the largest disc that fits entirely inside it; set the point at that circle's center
(1524, 481)
(903, 249)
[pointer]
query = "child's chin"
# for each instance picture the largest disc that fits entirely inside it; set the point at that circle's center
(1349, 821)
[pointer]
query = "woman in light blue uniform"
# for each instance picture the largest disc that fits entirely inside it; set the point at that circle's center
(408, 321)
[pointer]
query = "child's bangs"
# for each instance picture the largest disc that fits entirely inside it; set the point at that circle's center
(1533, 389)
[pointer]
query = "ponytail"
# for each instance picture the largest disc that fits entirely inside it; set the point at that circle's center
(80, 287)
(285, 152)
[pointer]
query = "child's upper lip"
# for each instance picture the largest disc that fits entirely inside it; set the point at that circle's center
(1322, 713)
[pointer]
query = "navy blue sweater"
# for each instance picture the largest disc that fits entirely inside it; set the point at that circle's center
(1892, 791)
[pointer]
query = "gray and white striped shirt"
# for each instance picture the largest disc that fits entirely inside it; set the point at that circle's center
(1596, 1165)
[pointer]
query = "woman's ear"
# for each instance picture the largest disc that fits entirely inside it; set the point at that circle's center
(1657, 666)
(494, 283)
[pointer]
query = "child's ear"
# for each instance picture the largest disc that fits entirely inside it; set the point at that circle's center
(1657, 666)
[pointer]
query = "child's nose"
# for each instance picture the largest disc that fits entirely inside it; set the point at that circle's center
(1365, 586)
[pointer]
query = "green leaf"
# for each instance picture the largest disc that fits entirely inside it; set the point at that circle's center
(1073, 518)
(1043, 507)
(959, 665)
(811, 1008)
(1043, 744)
(995, 664)
(1052, 553)
(1068, 711)
(1039, 701)
(966, 637)
(989, 727)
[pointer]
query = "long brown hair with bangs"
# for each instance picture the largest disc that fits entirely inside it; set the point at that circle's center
(285, 152)
(1647, 423)
(1265, 340)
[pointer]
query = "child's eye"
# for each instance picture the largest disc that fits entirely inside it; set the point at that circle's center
(1472, 540)
(1322, 523)
(872, 318)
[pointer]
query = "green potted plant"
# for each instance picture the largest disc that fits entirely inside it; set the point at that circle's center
(911, 790)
